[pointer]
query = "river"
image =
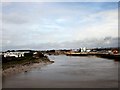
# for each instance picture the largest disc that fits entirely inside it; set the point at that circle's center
(68, 72)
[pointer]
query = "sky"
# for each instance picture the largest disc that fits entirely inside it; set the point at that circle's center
(59, 0)
(59, 25)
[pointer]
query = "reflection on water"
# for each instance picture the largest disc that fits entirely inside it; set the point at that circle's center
(68, 72)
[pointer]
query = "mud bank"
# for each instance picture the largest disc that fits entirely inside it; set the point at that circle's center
(24, 66)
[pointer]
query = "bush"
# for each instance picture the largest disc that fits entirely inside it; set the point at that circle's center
(28, 54)
(39, 54)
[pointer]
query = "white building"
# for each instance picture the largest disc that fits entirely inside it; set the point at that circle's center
(83, 49)
(88, 50)
(0, 53)
(14, 54)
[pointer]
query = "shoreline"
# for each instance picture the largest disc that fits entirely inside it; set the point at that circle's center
(24, 67)
(102, 55)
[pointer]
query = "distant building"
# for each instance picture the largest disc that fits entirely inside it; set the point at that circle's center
(88, 50)
(115, 51)
(14, 54)
(82, 49)
(1, 53)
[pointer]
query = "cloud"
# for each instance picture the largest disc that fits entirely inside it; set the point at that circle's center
(57, 25)
(99, 25)
(91, 43)
(14, 18)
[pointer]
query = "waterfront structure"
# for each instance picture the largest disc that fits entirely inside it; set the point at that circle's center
(0, 53)
(14, 54)
(82, 49)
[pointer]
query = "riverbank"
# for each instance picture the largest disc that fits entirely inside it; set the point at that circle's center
(14, 67)
(102, 55)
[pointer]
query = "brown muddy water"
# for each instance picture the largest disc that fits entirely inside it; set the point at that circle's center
(68, 72)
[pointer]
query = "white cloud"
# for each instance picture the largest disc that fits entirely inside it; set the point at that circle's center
(105, 25)
(58, 27)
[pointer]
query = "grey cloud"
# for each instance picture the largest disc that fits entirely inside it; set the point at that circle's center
(14, 19)
(113, 42)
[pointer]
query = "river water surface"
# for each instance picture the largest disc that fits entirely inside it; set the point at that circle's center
(68, 72)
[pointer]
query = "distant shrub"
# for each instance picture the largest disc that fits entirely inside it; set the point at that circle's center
(39, 54)
(28, 54)
(8, 59)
